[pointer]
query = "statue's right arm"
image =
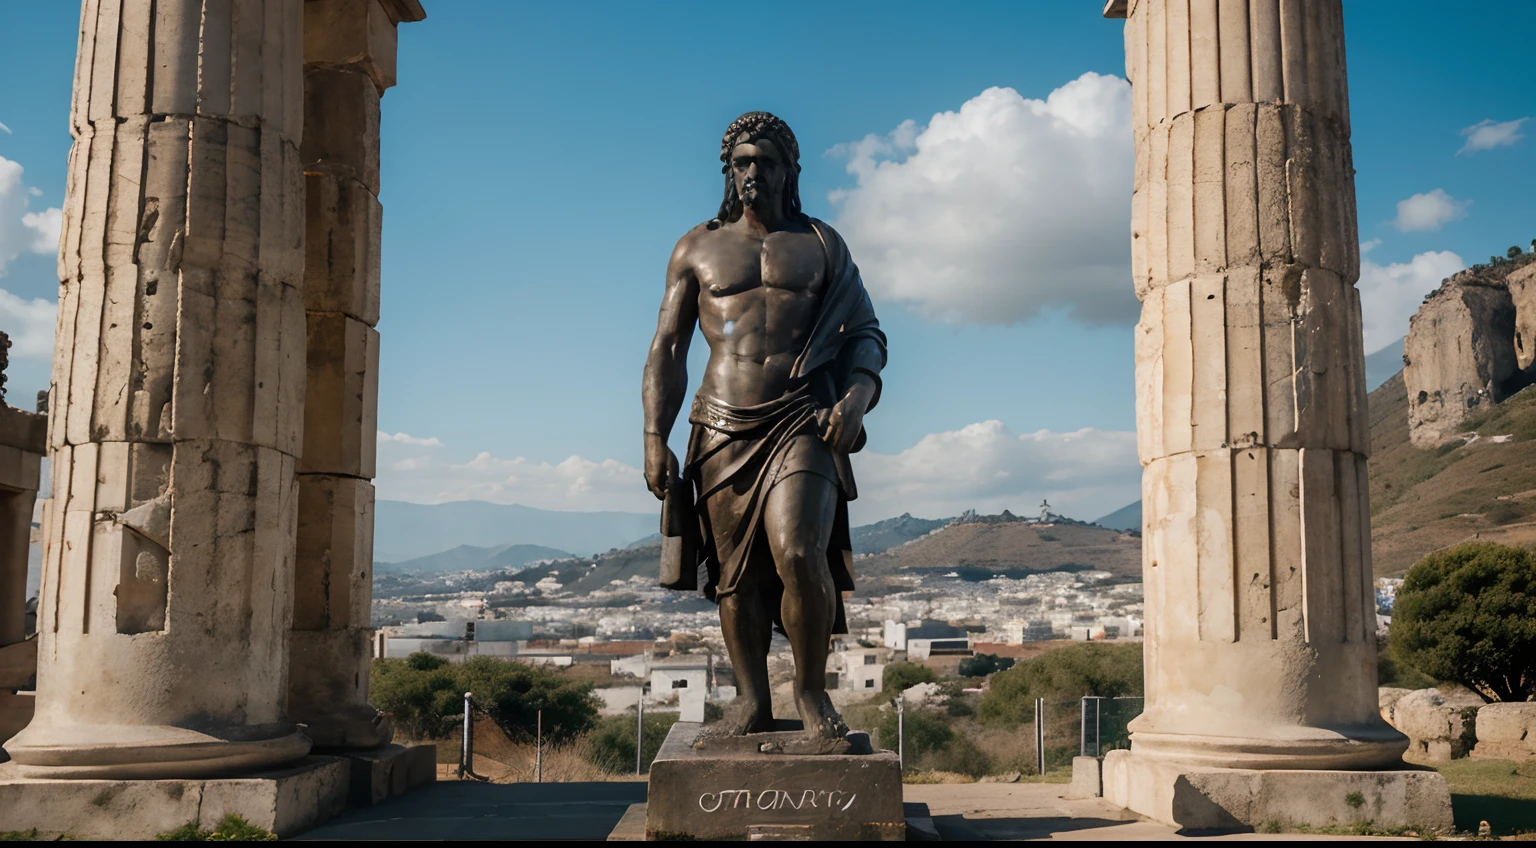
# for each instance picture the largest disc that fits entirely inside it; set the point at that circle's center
(666, 367)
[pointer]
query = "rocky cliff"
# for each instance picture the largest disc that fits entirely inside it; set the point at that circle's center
(1461, 352)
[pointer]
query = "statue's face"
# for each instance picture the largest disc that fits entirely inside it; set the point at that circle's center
(759, 171)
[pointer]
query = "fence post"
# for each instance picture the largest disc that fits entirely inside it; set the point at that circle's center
(1082, 735)
(1098, 736)
(538, 748)
(901, 736)
(639, 730)
(467, 744)
(1040, 736)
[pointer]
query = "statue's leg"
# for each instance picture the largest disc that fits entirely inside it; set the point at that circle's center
(747, 629)
(797, 520)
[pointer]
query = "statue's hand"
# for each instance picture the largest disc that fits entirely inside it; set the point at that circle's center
(844, 423)
(660, 467)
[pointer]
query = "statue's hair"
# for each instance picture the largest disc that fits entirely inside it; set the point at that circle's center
(748, 129)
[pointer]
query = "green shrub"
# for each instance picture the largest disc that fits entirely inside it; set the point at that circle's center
(1468, 615)
(1064, 674)
(231, 828)
(925, 730)
(425, 695)
(902, 676)
(982, 665)
(612, 743)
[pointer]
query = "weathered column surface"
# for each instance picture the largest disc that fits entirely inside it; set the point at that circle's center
(177, 397)
(1250, 393)
(349, 59)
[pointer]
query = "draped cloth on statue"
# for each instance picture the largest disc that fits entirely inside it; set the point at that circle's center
(741, 453)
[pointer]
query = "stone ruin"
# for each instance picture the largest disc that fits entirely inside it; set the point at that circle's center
(207, 566)
(1472, 344)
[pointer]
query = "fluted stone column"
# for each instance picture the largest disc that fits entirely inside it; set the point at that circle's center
(349, 59)
(177, 397)
(1260, 650)
(1251, 416)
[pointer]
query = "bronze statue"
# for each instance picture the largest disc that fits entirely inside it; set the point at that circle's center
(795, 353)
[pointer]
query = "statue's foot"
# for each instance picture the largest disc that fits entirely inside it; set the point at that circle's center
(743, 716)
(822, 720)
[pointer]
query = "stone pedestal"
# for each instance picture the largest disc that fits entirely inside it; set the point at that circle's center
(286, 801)
(380, 773)
(752, 795)
(1200, 798)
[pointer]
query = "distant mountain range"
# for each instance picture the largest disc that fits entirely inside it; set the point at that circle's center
(406, 531)
(471, 558)
(1381, 365)
(1124, 518)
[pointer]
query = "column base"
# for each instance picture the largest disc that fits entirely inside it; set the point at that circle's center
(285, 801)
(1197, 797)
(1372, 747)
(148, 752)
(391, 770)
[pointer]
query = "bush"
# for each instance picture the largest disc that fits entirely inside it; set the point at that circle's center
(983, 665)
(611, 746)
(231, 828)
(1065, 674)
(1468, 615)
(899, 677)
(924, 730)
(425, 695)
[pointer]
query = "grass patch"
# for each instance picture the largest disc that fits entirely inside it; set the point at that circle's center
(1361, 829)
(1500, 792)
(231, 828)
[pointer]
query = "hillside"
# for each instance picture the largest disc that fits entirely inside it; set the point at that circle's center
(471, 558)
(1125, 518)
(884, 535)
(1481, 486)
(1012, 549)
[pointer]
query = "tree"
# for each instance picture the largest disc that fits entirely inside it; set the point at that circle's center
(1468, 615)
(424, 694)
(899, 677)
(982, 665)
(1514, 252)
(1065, 674)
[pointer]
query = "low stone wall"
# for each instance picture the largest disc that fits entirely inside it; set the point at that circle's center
(1506, 732)
(1441, 724)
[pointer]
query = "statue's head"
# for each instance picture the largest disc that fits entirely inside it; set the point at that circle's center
(762, 167)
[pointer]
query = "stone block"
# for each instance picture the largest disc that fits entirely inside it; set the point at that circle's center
(341, 125)
(1506, 732)
(18, 664)
(334, 570)
(697, 795)
(351, 33)
(27, 431)
(1087, 778)
(286, 801)
(1203, 798)
(380, 773)
(1440, 724)
(342, 397)
(341, 270)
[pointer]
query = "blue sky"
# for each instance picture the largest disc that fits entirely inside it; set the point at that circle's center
(541, 159)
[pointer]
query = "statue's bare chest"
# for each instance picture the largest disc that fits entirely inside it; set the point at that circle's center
(734, 264)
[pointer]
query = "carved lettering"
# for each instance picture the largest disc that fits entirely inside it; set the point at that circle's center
(776, 799)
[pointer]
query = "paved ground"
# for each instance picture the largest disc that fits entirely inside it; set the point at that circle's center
(547, 811)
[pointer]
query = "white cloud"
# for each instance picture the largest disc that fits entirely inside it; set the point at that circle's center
(1428, 211)
(1488, 133)
(6, 129)
(416, 469)
(1390, 294)
(1368, 246)
(986, 467)
(1002, 209)
(22, 230)
(30, 325)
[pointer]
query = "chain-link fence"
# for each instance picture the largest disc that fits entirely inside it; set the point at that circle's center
(1105, 723)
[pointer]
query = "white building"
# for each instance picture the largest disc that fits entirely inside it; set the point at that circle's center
(860, 669)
